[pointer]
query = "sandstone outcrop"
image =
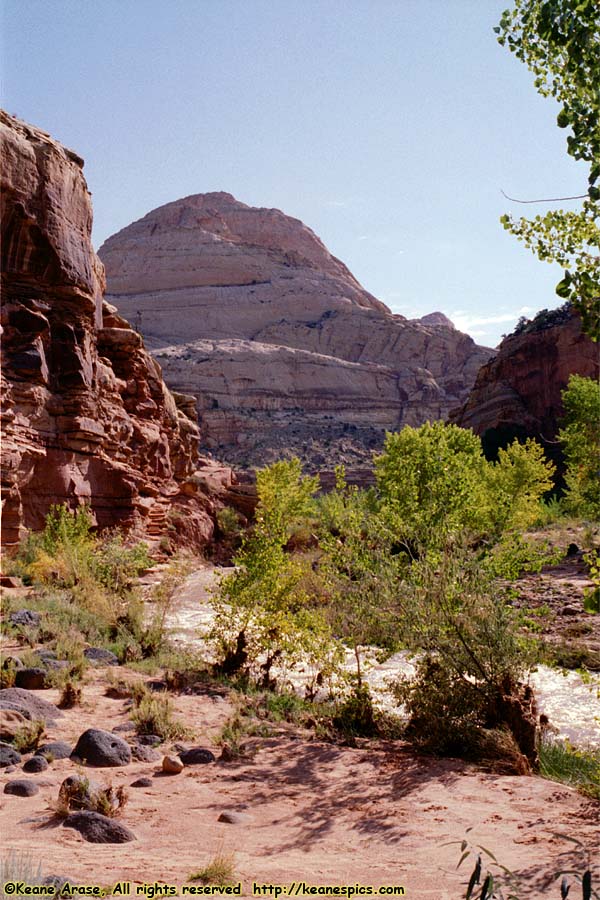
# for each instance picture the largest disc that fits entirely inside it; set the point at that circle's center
(86, 416)
(518, 392)
(286, 352)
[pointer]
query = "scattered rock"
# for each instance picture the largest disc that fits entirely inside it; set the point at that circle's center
(99, 829)
(26, 702)
(55, 750)
(151, 740)
(569, 611)
(142, 783)
(157, 686)
(27, 617)
(234, 818)
(10, 581)
(37, 763)
(196, 756)
(124, 727)
(46, 654)
(31, 679)
(172, 764)
(100, 656)
(22, 787)
(10, 769)
(101, 748)
(11, 721)
(142, 753)
(8, 755)
(573, 550)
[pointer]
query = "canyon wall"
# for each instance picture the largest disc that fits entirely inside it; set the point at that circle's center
(86, 416)
(518, 392)
(286, 352)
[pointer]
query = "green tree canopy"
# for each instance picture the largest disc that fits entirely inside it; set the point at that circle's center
(559, 41)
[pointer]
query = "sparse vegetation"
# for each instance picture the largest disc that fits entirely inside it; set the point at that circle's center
(28, 736)
(154, 714)
(219, 871)
(577, 767)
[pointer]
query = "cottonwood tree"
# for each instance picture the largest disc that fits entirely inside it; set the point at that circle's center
(559, 41)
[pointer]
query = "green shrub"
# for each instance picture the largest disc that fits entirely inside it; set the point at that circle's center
(153, 714)
(579, 768)
(580, 436)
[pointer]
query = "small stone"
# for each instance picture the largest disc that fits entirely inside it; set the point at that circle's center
(172, 764)
(10, 769)
(157, 686)
(150, 740)
(101, 748)
(99, 829)
(8, 755)
(55, 750)
(37, 763)
(27, 617)
(197, 756)
(142, 783)
(124, 727)
(234, 818)
(100, 656)
(569, 611)
(10, 581)
(22, 787)
(31, 679)
(46, 654)
(142, 753)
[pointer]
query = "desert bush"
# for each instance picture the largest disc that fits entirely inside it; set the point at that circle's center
(154, 714)
(220, 870)
(78, 793)
(28, 736)
(70, 696)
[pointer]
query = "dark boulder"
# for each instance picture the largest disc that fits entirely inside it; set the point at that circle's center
(37, 763)
(101, 748)
(22, 787)
(196, 756)
(8, 755)
(100, 656)
(29, 704)
(31, 679)
(99, 829)
(26, 617)
(55, 750)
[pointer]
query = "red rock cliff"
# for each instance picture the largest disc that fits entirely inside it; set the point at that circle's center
(518, 392)
(86, 416)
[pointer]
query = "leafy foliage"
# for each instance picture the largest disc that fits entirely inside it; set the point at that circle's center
(263, 613)
(559, 41)
(580, 436)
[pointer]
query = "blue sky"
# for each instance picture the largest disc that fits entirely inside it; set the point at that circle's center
(387, 126)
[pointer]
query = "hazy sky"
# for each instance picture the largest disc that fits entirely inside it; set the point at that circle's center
(387, 126)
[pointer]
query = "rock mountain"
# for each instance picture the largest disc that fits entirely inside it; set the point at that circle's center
(86, 416)
(286, 352)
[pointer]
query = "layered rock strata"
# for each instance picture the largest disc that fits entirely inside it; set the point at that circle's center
(518, 392)
(86, 416)
(284, 349)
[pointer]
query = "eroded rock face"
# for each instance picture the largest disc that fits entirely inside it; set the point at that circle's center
(518, 392)
(85, 413)
(285, 350)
